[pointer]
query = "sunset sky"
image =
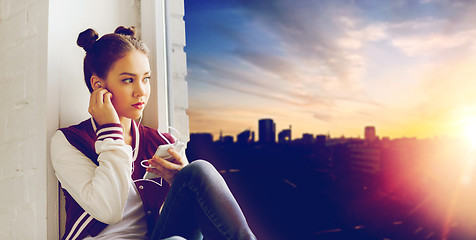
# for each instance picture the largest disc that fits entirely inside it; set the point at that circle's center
(406, 67)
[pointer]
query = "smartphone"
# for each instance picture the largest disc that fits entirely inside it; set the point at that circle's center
(162, 151)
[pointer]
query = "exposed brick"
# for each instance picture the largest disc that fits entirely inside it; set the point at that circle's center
(176, 8)
(12, 31)
(181, 122)
(177, 32)
(23, 143)
(21, 57)
(9, 8)
(179, 62)
(180, 94)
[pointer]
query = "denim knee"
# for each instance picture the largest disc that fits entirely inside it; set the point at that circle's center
(197, 170)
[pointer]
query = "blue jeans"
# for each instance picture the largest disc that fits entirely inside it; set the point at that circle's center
(199, 202)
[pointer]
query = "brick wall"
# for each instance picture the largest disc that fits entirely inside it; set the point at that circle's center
(178, 66)
(23, 142)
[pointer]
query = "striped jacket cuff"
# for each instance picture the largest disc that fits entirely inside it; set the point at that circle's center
(79, 226)
(110, 130)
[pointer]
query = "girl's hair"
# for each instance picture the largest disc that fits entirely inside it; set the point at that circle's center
(102, 53)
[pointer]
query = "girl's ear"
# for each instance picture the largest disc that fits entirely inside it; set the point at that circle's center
(96, 82)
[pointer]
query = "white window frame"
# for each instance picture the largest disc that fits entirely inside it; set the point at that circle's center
(154, 34)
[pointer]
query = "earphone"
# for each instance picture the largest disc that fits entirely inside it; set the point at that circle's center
(145, 164)
(99, 83)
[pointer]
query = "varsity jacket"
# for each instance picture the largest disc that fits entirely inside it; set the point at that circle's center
(104, 146)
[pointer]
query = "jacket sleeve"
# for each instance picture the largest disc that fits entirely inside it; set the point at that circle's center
(100, 190)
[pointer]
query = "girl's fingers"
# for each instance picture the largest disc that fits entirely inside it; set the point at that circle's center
(154, 171)
(107, 98)
(159, 162)
(177, 157)
(167, 168)
(97, 96)
(100, 96)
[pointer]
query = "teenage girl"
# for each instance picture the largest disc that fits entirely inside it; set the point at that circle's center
(98, 161)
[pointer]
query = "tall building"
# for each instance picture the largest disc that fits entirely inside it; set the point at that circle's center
(364, 159)
(267, 131)
(370, 134)
(228, 139)
(201, 138)
(245, 137)
(307, 139)
(321, 140)
(284, 136)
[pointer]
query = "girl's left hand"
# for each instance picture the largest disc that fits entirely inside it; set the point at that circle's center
(165, 168)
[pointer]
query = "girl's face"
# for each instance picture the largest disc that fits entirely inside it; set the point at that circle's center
(128, 81)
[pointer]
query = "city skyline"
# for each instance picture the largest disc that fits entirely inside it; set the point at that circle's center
(271, 132)
(348, 188)
(332, 66)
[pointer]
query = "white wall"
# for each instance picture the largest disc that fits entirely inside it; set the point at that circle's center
(66, 20)
(65, 58)
(23, 97)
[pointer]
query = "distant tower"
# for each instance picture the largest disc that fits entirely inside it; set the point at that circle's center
(291, 132)
(244, 137)
(370, 134)
(307, 139)
(321, 140)
(267, 131)
(228, 139)
(284, 136)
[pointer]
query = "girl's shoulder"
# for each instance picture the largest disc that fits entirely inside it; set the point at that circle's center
(84, 126)
(81, 132)
(82, 136)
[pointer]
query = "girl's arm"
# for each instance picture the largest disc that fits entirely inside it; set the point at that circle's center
(100, 190)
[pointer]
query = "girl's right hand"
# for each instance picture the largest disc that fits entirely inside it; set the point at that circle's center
(101, 108)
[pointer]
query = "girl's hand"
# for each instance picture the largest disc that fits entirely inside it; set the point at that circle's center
(101, 108)
(167, 169)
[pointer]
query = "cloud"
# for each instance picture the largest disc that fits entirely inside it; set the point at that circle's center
(434, 43)
(308, 30)
(269, 62)
(268, 80)
(308, 64)
(320, 55)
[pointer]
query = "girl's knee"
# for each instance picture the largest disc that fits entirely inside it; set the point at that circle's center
(201, 170)
(201, 165)
(198, 168)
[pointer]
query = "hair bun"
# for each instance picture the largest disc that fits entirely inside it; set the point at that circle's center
(126, 31)
(87, 38)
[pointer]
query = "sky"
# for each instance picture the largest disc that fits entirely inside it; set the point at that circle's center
(332, 67)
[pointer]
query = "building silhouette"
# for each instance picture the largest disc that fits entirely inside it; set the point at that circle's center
(246, 136)
(228, 139)
(370, 134)
(364, 159)
(307, 139)
(202, 138)
(321, 140)
(284, 136)
(267, 131)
